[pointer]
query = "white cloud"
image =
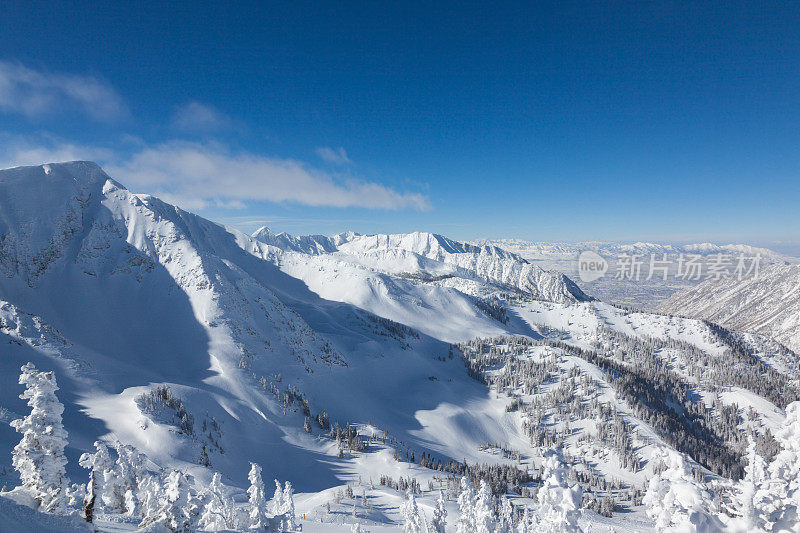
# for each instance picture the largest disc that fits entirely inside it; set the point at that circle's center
(34, 93)
(333, 156)
(194, 117)
(15, 152)
(196, 175)
(209, 172)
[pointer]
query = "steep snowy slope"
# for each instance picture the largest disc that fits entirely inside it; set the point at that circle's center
(768, 304)
(145, 293)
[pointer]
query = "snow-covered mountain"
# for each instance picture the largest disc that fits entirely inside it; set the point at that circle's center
(643, 291)
(310, 244)
(205, 349)
(768, 304)
(426, 255)
(544, 250)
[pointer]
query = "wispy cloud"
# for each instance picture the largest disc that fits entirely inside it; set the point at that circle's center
(197, 117)
(16, 151)
(210, 174)
(34, 93)
(195, 175)
(336, 156)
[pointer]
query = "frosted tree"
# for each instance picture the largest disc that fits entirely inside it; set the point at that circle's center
(412, 521)
(218, 511)
(558, 501)
(748, 502)
(151, 490)
(781, 495)
(101, 466)
(524, 524)
(288, 519)
(676, 501)
(257, 498)
(439, 521)
(483, 515)
(355, 528)
(91, 498)
(506, 522)
(276, 504)
(175, 511)
(129, 470)
(76, 493)
(39, 456)
(466, 505)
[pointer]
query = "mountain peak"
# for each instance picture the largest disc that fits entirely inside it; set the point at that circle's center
(82, 173)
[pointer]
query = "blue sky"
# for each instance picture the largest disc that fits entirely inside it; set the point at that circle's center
(538, 120)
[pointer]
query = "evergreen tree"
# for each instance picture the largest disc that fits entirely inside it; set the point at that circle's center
(91, 496)
(506, 522)
(129, 471)
(783, 507)
(412, 521)
(218, 511)
(257, 498)
(151, 490)
(276, 504)
(175, 511)
(101, 467)
(39, 456)
(439, 522)
(558, 501)
(676, 501)
(524, 525)
(747, 502)
(483, 516)
(288, 520)
(466, 506)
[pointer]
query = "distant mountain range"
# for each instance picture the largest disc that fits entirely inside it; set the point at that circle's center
(642, 292)
(768, 304)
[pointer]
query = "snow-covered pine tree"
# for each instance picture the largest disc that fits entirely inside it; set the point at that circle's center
(506, 522)
(130, 468)
(76, 493)
(782, 491)
(484, 517)
(218, 511)
(558, 501)
(466, 506)
(676, 501)
(439, 521)
(748, 506)
(257, 498)
(39, 456)
(524, 524)
(175, 511)
(91, 497)
(101, 466)
(151, 490)
(276, 504)
(288, 520)
(412, 521)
